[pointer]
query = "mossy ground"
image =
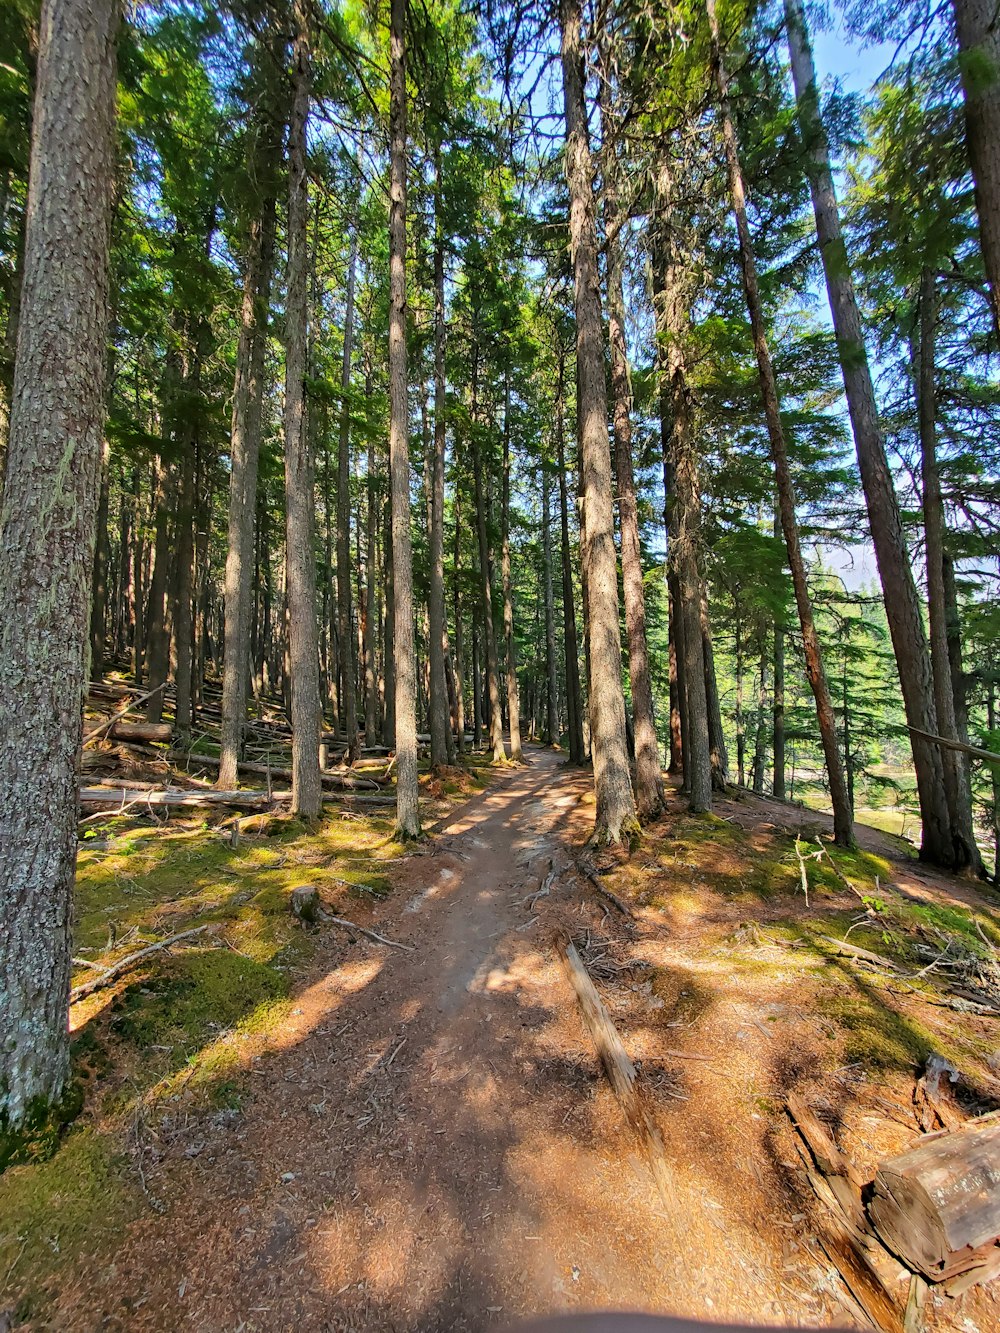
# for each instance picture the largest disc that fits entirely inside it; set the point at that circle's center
(178, 1025)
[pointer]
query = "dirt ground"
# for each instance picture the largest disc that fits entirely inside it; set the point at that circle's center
(430, 1145)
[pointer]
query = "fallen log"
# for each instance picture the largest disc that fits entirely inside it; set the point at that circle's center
(97, 732)
(346, 781)
(620, 1070)
(114, 798)
(161, 732)
(840, 1173)
(938, 1205)
(108, 974)
(110, 798)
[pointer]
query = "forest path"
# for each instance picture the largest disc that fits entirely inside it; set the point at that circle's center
(433, 1147)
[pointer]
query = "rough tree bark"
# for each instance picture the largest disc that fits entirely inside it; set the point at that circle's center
(941, 842)
(843, 814)
(485, 580)
(47, 540)
(300, 560)
(977, 27)
(407, 807)
(615, 818)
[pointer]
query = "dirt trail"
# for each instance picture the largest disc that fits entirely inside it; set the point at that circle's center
(433, 1147)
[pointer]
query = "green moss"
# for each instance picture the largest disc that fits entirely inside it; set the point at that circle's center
(50, 1213)
(194, 997)
(876, 1035)
(36, 1136)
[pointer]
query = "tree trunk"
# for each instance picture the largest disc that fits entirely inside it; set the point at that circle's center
(157, 653)
(372, 711)
(571, 651)
(843, 814)
(615, 819)
(440, 726)
(300, 559)
(956, 768)
(349, 694)
(47, 541)
(648, 778)
(485, 581)
(247, 421)
(683, 518)
(99, 593)
(716, 736)
(513, 705)
(407, 809)
(941, 843)
(978, 31)
(551, 698)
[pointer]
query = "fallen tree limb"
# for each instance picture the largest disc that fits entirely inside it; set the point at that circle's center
(961, 746)
(344, 924)
(108, 974)
(114, 798)
(620, 1070)
(591, 874)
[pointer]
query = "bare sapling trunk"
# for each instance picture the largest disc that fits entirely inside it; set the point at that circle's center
(941, 842)
(513, 703)
(407, 806)
(615, 819)
(843, 814)
(99, 592)
(157, 654)
(47, 542)
(345, 610)
(977, 27)
(300, 559)
(440, 724)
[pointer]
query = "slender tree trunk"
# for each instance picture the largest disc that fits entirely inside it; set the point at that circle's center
(99, 593)
(977, 27)
(440, 726)
(157, 653)
(778, 714)
(407, 809)
(551, 698)
(485, 580)
(247, 422)
(648, 778)
(459, 660)
(389, 635)
(716, 736)
(615, 818)
(760, 729)
(956, 775)
(372, 710)
(47, 541)
(477, 688)
(345, 612)
(513, 704)
(300, 559)
(843, 813)
(902, 603)
(574, 701)
(683, 520)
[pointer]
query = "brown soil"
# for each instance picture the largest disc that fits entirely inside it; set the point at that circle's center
(431, 1146)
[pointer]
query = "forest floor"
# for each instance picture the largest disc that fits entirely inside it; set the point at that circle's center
(307, 1130)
